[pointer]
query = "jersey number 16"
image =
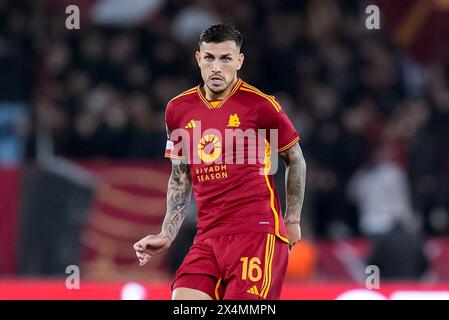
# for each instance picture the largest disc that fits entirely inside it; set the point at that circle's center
(252, 269)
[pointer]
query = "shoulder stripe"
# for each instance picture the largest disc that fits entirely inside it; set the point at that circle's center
(258, 90)
(252, 87)
(271, 100)
(190, 90)
(185, 93)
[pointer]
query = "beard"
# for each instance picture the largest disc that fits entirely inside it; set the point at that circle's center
(216, 90)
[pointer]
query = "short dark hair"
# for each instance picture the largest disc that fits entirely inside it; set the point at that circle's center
(221, 32)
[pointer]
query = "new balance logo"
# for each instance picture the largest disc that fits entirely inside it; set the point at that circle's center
(253, 290)
(191, 124)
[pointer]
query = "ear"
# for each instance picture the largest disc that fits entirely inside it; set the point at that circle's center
(240, 60)
(198, 57)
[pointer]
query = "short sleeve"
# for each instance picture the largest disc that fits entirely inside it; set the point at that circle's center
(274, 117)
(174, 146)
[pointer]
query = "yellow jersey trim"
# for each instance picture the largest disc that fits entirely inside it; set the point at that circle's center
(289, 145)
(185, 93)
(270, 267)
(214, 104)
(217, 296)
(273, 208)
(271, 99)
(269, 254)
(230, 94)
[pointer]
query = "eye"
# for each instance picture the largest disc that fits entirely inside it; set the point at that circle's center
(226, 59)
(208, 58)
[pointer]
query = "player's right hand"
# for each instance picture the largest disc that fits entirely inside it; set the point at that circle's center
(150, 246)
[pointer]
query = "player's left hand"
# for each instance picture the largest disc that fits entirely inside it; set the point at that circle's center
(293, 234)
(150, 246)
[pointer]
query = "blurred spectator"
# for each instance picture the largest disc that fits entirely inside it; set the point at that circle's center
(16, 82)
(13, 130)
(381, 192)
(192, 20)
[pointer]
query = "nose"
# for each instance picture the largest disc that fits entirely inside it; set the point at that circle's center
(216, 66)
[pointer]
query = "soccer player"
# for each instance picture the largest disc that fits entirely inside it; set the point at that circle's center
(242, 244)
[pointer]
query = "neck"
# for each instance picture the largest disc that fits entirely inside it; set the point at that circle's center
(218, 96)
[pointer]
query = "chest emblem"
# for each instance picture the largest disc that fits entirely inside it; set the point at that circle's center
(234, 120)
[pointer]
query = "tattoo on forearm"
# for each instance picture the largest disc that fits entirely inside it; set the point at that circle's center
(178, 198)
(295, 180)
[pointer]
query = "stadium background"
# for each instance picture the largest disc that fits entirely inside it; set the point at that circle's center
(82, 175)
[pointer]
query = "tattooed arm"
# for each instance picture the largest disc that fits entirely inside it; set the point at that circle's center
(295, 180)
(178, 197)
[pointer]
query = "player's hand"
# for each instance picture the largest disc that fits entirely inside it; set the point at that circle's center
(293, 233)
(150, 246)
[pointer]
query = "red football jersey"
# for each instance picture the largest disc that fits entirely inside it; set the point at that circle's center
(228, 145)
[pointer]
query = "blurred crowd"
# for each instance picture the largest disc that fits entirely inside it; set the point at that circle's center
(374, 123)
